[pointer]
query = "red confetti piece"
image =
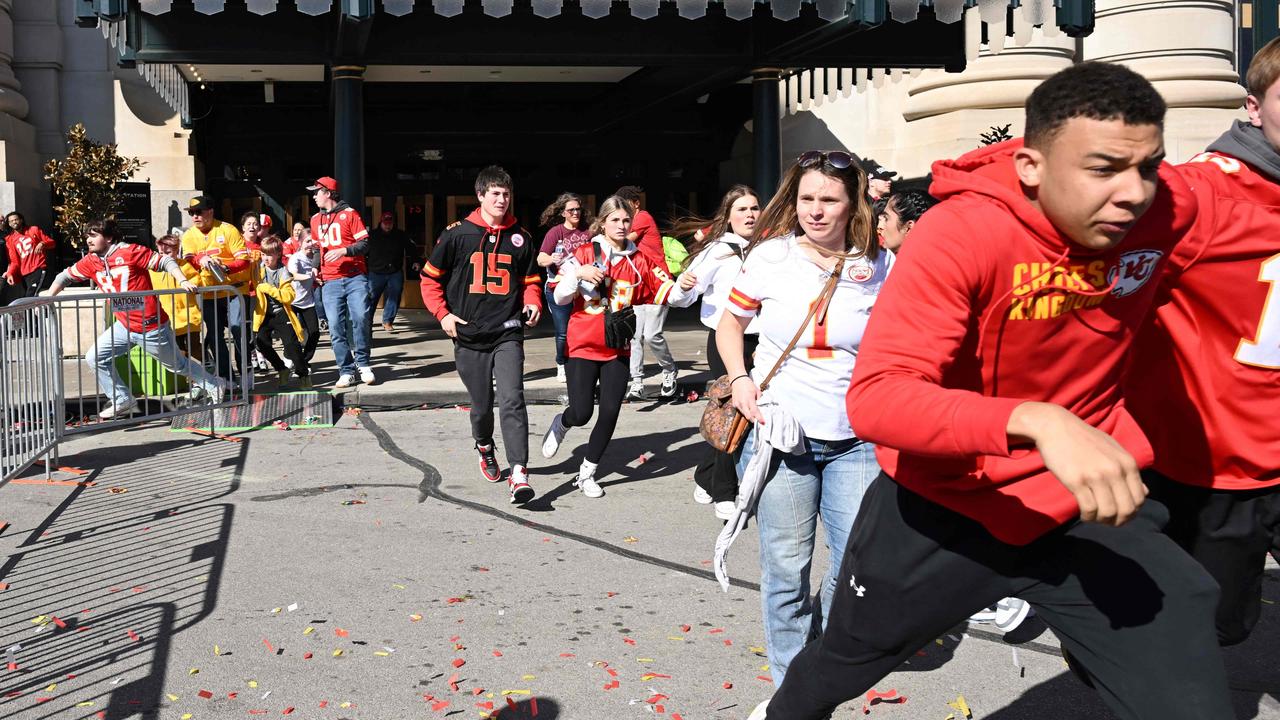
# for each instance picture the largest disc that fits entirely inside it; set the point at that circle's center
(715, 631)
(232, 695)
(306, 656)
(685, 628)
(728, 686)
(257, 712)
(340, 632)
(59, 621)
(676, 716)
(486, 705)
(205, 694)
(324, 704)
(455, 638)
(659, 709)
(13, 666)
(268, 644)
(287, 711)
(612, 594)
(567, 655)
(727, 641)
(612, 685)
(477, 691)
(439, 705)
(657, 697)
(453, 682)
(628, 641)
(765, 678)
(497, 654)
(133, 636)
(43, 699)
(459, 662)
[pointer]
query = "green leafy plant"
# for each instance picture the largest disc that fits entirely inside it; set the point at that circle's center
(84, 183)
(996, 134)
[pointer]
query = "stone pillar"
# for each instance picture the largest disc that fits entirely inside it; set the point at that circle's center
(348, 132)
(38, 63)
(1186, 49)
(766, 131)
(21, 177)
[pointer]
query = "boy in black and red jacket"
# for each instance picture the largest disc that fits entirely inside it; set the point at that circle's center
(481, 283)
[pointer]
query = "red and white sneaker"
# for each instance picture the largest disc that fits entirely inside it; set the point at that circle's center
(518, 484)
(489, 463)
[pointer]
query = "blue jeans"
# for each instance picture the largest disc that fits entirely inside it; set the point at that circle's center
(388, 285)
(346, 304)
(159, 343)
(825, 482)
(560, 317)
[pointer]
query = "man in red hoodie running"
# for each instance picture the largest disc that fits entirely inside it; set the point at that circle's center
(990, 378)
(1207, 384)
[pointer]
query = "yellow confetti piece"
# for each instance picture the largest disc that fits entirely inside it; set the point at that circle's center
(675, 637)
(345, 705)
(962, 707)
(516, 692)
(337, 653)
(630, 539)
(186, 716)
(939, 641)
(397, 586)
(172, 697)
(193, 671)
(381, 653)
(527, 677)
(764, 668)
(253, 683)
(276, 611)
(952, 716)
(52, 687)
(415, 617)
(308, 631)
(644, 660)
(86, 703)
(39, 620)
(756, 650)
(217, 650)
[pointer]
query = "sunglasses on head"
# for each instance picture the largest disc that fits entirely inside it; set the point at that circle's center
(838, 159)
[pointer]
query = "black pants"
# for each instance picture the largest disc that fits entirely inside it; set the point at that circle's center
(278, 324)
(481, 371)
(717, 472)
(1230, 532)
(214, 312)
(30, 284)
(1130, 606)
(582, 376)
(310, 326)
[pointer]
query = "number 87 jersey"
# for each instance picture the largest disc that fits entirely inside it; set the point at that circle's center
(484, 275)
(1205, 380)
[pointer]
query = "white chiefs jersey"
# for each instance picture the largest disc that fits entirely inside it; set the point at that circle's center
(779, 283)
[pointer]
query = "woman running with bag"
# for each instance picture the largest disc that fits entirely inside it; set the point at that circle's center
(715, 258)
(603, 280)
(812, 289)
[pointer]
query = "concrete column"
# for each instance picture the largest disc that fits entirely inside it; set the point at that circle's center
(1186, 48)
(38, 65)
(348, 132)
(766, 131)
(12, 101)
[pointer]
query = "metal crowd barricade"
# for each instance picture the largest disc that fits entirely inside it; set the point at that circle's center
(30, 392)
(66, 359)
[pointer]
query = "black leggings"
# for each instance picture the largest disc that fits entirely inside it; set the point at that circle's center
(717, 473)
(583, 375)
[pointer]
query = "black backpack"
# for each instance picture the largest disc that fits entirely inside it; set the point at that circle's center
(620, 326)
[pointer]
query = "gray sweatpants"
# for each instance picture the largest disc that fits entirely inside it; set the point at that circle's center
(478, 370)
(649, 322)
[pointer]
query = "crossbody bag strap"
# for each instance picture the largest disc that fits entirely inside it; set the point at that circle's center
(824, 299)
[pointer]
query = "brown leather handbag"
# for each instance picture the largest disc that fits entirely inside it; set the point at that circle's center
(723, 425)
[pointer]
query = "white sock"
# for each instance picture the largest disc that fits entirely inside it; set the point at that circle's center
(587, 470)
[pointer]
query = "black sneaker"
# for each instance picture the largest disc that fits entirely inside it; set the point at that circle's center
(489, 463)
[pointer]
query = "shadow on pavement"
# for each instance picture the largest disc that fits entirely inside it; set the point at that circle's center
(98, 590)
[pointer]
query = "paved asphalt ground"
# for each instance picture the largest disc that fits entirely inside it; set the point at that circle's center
(196, 567)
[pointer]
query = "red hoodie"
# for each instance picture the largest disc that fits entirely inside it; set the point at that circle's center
(988, 307)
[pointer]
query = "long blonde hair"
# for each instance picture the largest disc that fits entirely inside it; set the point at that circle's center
(611, 205)
(779, 218)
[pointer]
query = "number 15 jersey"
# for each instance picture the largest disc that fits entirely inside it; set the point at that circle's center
(484, 275)
(1205, 379)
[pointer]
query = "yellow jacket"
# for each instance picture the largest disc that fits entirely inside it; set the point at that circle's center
(282, 294)
(181, 308)
(226, 243)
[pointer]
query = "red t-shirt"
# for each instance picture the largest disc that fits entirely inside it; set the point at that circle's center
(341, 228)
(125, 268)
(629, 280)
(1205, 384)
(991, 306)
(648, 239)
(21, 246)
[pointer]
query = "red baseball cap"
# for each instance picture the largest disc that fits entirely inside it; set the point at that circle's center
(265, 221)
(325, 182)
(388, 215)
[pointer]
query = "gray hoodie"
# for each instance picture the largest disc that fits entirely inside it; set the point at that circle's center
(1247, 143)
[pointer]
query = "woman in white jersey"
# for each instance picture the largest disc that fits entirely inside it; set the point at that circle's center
(821, 223)
(715, 258)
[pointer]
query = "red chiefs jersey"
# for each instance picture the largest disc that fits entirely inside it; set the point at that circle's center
(24, 259)
(124, 268)
(629, 280)
(340, 228)
(1205, 383)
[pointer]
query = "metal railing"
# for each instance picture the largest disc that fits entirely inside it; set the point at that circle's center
(81, 363)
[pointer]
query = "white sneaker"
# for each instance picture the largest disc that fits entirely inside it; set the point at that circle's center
(367, 377)
(288, 363)
(1010, 612)
(636, 391)
(700, 496)
(586, 480)
(725, 509)
(345, 380)
(560, 376)
(668, 383)
(518, 485)
(555, 435)
(116, 410)
(759, 713)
